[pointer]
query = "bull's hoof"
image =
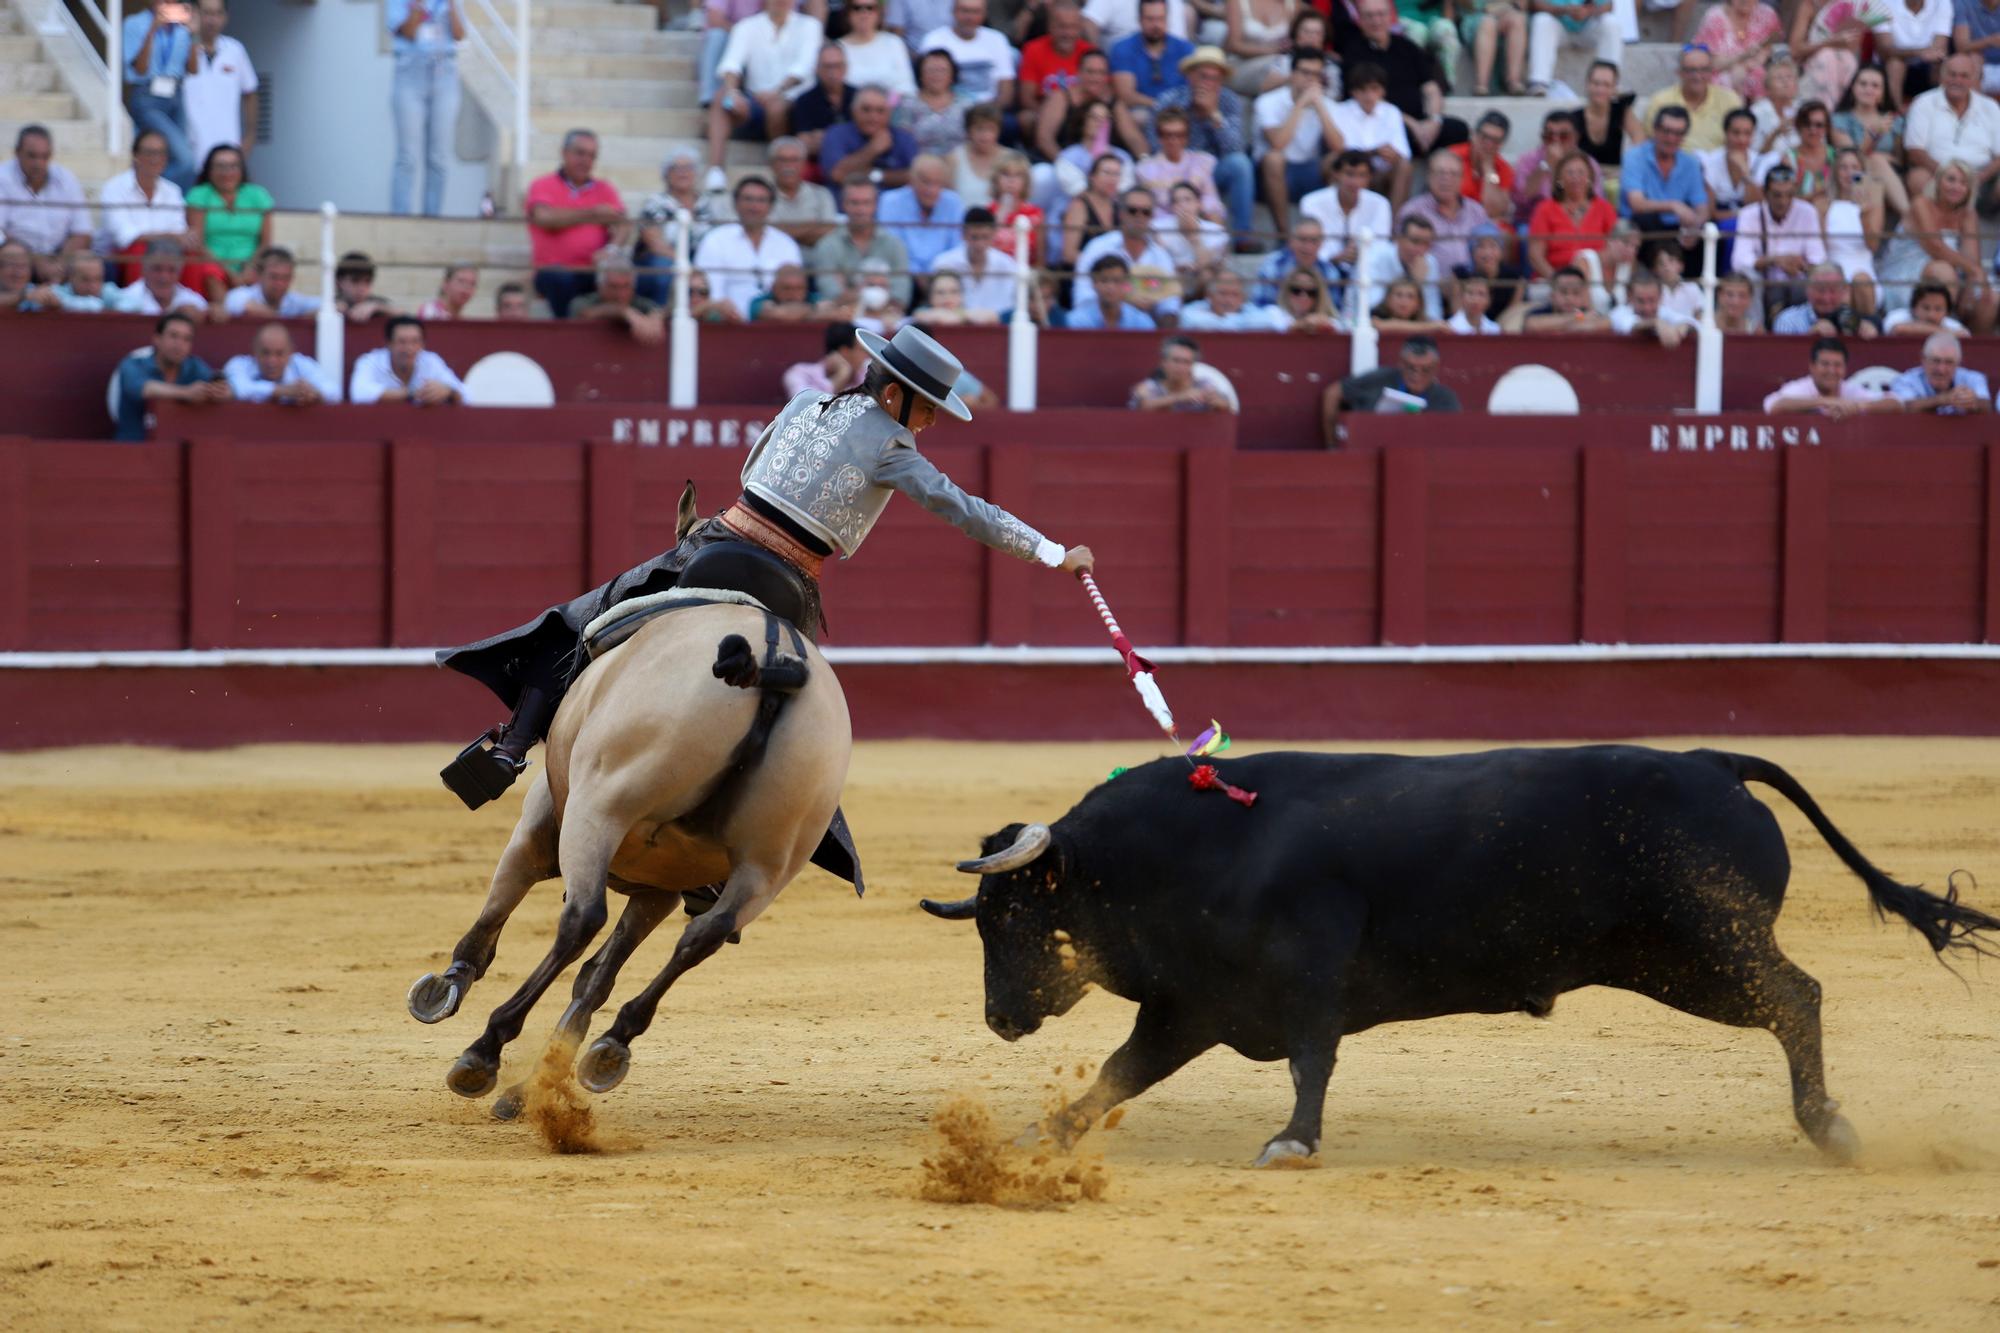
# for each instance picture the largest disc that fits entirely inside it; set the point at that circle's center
(604, 1065)
(509, 1103)
(1285, 1153)
(434, 998)
(472, 1075)
(1839, 1141)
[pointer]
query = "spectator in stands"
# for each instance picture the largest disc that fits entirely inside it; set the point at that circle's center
(1433, 27)
(17, 279)
(1305, 248)
(925, 214)
(1778, 240)
(1110, 308)
(1730, 172)
(1976, 30)
(1677, 294)
(946, 305)
(1954, 122)
(876, 58)
(1049, 63)
(801, 209)
(1149, 63)
(1826, 40)
(1735, 304)
(742, 257)
(1295, 124)
(1810, 154)
(1198, 246)
(1305, 301)
(455, 292)
(1739, 35)
(1226, 308)
(704, 306)
(789, 300)
(1569, 309)
(1535, 173)
(1411, 81)
(718, 18)
(1912, 45)
(1347, 208)
(1942, 230)
(1154, 287)
(1825, 389)
(83, 290)
(1484, 24)
(1661, 187)
(973, 162)
(1941, 386)
(141, 205)
(1827, 310)
(868, 146)
(840, 366)
(425, 35)
(1778, 107)
(1928, 312)
(1369, 123)
(1011, 182)
(1605, 119)
(1506, 283)
(656, 220)
(1215, 127)
(354, 290)
(935, 117)
(220, 92)
(769, 57)
(510, 302)
(1475, 298)
(1610, 268)
(169, 371)
(270, 294)
(42, 204)
(616, 299)
(913, 20)
(1093, 211)
(1705, 106)
(1177, 386)
(838, 257)
(276, 372)
(159, 289)
(1174, 163)
(156, 46)
(1062, 115)
(1410, 257)
(1871, 127)
(229, 218)
(1414, 376)
(1453, 215)
(1401, 310)
(986, 60)
(1108, 22)
(987, 276)
(1644, 315)
(1257, 37)
(826, 104)
(571, 216)
(1488, 177)
(404, 371)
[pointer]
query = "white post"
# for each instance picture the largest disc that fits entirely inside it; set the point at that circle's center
(522, 127)
(684, 355)
(1708, 337)
(1366, 346)
(1023, 334)
(330, 329)
(114, 77)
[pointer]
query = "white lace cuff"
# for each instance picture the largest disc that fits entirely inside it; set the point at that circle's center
(1051, 553)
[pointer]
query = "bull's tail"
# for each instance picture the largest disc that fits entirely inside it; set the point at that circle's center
(1945, 923)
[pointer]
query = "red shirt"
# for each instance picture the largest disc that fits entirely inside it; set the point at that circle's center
(1552, 220)
(1474, 188)
(1046, 70)
(568, 247)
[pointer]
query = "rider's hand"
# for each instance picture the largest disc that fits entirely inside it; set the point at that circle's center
(1078, 560)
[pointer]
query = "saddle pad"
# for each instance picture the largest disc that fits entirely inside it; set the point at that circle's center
(622, 621)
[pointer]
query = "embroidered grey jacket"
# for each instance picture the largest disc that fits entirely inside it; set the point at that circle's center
(833, 471)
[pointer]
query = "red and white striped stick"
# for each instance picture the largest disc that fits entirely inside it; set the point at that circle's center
(1136, 667)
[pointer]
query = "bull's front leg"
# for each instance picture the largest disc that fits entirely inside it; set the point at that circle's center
(1312, 1058)
(1162, 1041)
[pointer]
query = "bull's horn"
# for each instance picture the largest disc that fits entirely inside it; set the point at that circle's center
(962, 910)
(1031, 843)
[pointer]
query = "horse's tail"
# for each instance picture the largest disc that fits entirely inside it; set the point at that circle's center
(776, 677)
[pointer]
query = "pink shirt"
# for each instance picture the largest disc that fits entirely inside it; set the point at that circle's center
(1758, 235)
(573, 247)
(1803, 387)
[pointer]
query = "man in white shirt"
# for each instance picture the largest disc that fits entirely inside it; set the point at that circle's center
(159, 287)
(741, 257)
(141, 209)
(1954, 121)
(914, 20)
(1108, 21)
(1643, 315)
(987, 275)
(1296, 124)
(986, 60)
(1913, 42)
(404, 371)
(42, 205)
(274, 372)
(220, 92)
(1348, 207)
(1227, 308)
(1370, 122)
(1145, 258)
(271, 296)
(771, 58)
(1409, 257)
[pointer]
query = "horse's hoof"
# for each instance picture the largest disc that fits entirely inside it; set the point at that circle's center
(1839, 1141)
(472, 1076)
(1284, 1152)
(604, 1065)
(509, 1103)
(433, 998)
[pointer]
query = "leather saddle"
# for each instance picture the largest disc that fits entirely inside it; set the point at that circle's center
(720, 572)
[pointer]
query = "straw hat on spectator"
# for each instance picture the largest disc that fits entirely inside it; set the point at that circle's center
(1205, 55)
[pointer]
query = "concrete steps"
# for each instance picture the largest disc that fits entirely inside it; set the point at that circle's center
(604, 66)
(37, 106)
(667, 93)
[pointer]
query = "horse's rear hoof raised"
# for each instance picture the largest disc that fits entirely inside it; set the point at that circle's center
(434, 998)
(604, 1065)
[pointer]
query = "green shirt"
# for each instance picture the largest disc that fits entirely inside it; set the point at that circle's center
(232, 233)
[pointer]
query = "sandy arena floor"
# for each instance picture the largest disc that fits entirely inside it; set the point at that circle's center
(214, 1109)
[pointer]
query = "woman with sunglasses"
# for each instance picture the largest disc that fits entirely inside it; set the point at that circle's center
(1307, 302)
(704, 308)
(876, 58)
(1811, 158)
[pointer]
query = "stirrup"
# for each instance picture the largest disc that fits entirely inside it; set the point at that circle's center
(482, 771)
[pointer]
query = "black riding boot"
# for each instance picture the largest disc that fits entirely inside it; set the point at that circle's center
(489, 765)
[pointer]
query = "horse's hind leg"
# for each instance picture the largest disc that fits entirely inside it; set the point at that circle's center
(594, 980)
(529, 859)
(588, 841)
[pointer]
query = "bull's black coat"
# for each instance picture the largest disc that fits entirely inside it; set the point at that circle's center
(1367, 889)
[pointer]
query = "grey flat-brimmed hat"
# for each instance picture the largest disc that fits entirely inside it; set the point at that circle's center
(920, 362)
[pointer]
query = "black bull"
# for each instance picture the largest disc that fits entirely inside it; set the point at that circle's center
(1366, 889)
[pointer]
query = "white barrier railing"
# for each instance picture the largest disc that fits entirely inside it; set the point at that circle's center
(1365, 349)
(1023, 334)
(329, 326)
(1708, 337)
(684, 357)
(516, 40)
(108, 70)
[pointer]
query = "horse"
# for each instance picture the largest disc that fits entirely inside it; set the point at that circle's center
(675, 761)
